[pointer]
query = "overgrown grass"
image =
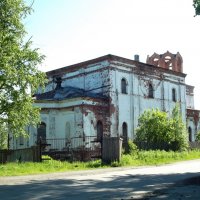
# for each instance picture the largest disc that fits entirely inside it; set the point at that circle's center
(157, 157)
(135, 158)
(47, 166)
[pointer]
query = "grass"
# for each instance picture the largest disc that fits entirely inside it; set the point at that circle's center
(157, 157)
(48, 166)
(138, 158)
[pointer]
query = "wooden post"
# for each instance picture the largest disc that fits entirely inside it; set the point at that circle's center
(111, 149)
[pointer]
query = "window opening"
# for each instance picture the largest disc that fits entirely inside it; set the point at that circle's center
(99, 131)
(41, 132)
(150, 91)
(123, 86)
(125, 136)
(173, 95)
(190, 134)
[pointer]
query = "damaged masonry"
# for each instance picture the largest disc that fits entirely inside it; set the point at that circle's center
(105, 96)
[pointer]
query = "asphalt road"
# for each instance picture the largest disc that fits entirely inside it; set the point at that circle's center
(174, 181)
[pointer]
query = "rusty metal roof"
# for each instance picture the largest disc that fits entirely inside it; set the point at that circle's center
(66, 93)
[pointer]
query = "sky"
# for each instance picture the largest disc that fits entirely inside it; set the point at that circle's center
(71, 31)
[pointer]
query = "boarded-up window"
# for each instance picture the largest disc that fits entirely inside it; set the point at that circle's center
(99, 131)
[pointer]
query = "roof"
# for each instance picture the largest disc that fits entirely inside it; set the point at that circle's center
(109, 57)
(67, 93)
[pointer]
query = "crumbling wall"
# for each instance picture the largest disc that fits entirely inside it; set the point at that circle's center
(193, 121)
(129, 106)
(190, 96)
(99, 111)
(93, 78)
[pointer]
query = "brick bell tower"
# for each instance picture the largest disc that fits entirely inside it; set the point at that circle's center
(167, 60)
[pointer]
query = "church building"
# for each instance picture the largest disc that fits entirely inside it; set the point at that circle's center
(105, 96)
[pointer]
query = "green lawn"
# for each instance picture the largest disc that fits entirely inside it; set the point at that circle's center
(141, 158)
(158, 157)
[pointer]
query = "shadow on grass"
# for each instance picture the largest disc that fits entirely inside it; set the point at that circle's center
(129, 186)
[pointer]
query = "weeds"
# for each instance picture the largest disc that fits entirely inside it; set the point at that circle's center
(134, 158)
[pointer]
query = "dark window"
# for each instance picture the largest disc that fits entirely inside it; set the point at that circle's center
(124, 130)
(173, 95)
(125, 136)
(41, 132)
(124, 86)
(99, 131)
(190, 134)
(150, 91)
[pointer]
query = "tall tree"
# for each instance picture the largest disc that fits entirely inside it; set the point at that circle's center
(196, 4)
(18, 69)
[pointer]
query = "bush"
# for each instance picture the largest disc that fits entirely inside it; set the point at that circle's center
(132, 148)
(157, 131)
(198, 137)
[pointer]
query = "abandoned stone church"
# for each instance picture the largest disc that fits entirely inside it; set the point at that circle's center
(105, 97)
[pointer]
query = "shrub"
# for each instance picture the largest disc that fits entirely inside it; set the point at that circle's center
(158, 131)
(132, 148)
(198, 137)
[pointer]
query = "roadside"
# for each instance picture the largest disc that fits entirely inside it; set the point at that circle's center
(173, 181)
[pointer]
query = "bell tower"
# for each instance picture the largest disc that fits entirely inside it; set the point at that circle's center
(167, 60)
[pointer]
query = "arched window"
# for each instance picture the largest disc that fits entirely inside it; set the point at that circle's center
(99, 131)
(124, 86)
(41, 132)
(173, 95)
(150, 91)
(190, 134)
(125, 130)
(125, 136)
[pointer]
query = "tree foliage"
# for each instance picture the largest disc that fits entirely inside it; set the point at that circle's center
(158, 131)
(18, 71)
(180, 134)
(3, 136)
(196, 4)
(197, 139)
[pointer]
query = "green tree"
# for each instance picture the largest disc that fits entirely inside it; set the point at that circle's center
(3, 136)
(196, 4)
(198, 137)
(156, 130)
(153, 130)
(179, 131)
(18, 69)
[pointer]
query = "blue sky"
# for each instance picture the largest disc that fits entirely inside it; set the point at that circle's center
(71, 31)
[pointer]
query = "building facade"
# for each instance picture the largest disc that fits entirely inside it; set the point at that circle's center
(105, 97)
